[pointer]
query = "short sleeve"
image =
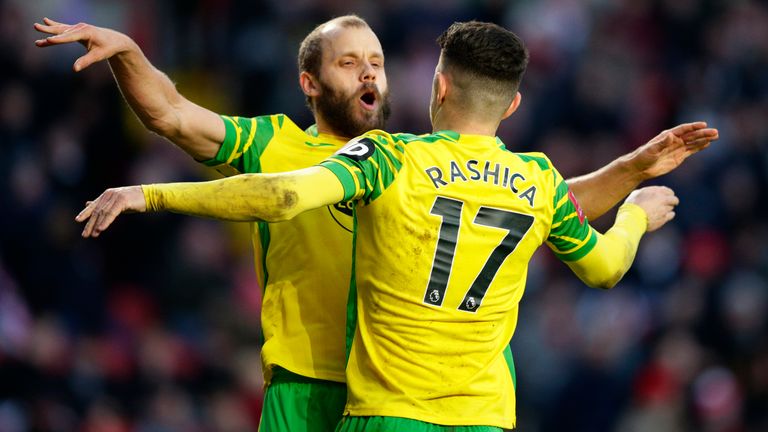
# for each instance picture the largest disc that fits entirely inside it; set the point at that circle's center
(367, 165)
(570, 237)
(245, 141)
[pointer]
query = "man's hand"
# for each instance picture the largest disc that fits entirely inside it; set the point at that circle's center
(100, 213)
(670, 148)
(658, 202)
(101, 43)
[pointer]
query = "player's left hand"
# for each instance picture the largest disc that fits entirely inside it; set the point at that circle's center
(101, 212)
(670, 148)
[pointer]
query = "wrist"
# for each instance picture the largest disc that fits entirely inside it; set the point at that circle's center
(151, 202)
(125, 48)
(634, 212)
(631, 169)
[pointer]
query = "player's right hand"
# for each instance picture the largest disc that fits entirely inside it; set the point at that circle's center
(101, 43)
(658, 202)
(100, 213)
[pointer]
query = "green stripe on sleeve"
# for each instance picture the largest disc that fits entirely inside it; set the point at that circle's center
(264, 134)
(244, 142)
(574, 255)
(386, 154)
(226, 148)
(346, 177)
(560, 191)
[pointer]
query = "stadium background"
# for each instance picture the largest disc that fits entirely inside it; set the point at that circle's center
(154, 326)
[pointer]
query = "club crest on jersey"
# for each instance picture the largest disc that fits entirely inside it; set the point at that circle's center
(342, 214)
(358, 149)
(344, 207)
(579, 210)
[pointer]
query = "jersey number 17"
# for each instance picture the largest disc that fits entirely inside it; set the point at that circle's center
(449, 209)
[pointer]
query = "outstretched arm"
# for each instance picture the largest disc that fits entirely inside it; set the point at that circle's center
(246, 197)
(646, 209)
(149, 92)
(599, 191)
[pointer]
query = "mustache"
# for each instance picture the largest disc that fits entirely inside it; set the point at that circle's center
(369, 87)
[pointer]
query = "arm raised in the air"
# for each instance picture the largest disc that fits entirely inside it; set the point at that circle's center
(600, 190)
(646, 209)
(246, 197)
(149, 92)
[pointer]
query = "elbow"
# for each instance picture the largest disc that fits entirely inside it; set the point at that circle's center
(277, 215)
(287, 207)
(282, 202)
(163, 127)
(605, 281)
(606, 284)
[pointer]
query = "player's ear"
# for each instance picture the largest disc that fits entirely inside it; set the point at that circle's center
(309, 84)
(513, 106)
(441, 87)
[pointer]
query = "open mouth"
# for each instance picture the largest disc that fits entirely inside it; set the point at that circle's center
(368, 100)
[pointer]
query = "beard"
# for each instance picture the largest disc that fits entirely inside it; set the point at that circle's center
(338, 110)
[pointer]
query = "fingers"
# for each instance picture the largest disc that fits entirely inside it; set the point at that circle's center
(701, 139)
(685, 128)
(93, 56)
(668, 140)
(661, 221)
(709, 133)
(99, 214)
(52, 29)
(96, 210)
(52, 22)
(667, 195)
(72, 34)
(88, 216)
(668, 217)
(85, 213)
(672, 200)
(61, 34)
(697, 145)
(102, 213)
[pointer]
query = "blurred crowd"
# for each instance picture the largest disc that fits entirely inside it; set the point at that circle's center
(154, 326)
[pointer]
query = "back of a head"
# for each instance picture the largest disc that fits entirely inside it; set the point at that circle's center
(486, 63)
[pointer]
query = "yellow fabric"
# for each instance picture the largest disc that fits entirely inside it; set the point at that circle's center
(432, 363)
(614, 252)
(308, 261)
(248, 197)
(415, 353)
(303, 264)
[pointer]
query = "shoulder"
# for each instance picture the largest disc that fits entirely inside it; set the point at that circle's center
(538, 159)
(275, 122)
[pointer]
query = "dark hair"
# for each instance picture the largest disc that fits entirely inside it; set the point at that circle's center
(311, 49)
(485, 50)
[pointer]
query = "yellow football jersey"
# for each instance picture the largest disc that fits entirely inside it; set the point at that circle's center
(303, 265)
(445, 225)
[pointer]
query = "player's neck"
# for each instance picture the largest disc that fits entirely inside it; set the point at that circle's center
(463, 125)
